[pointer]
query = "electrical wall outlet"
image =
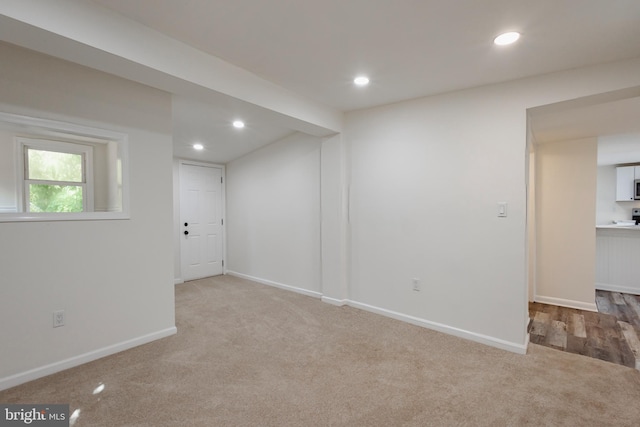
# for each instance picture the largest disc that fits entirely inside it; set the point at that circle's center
(416, 284)
(58, 318)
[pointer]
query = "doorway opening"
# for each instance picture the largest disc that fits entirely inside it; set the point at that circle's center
(566, 198)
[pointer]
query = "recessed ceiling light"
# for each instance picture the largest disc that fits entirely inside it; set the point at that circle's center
(198, 146)
(238, 124)
(507, 38)
(361, 80)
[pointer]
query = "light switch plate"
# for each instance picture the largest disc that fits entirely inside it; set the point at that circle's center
(502, 209)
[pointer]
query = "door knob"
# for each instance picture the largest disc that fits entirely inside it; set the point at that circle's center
(186, 232)
(186, 223)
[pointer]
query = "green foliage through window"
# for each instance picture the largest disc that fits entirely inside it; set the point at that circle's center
(55, 198)
(55, 181)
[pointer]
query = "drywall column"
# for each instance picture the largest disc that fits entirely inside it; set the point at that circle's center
(531, 227)
(565, 223)
(334, 235)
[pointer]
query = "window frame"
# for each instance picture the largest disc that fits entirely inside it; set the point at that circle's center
(86, 151)
(41, 128)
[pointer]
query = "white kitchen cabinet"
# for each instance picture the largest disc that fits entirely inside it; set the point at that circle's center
(625, 175)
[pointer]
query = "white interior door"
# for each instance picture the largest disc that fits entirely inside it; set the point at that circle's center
(200, 221)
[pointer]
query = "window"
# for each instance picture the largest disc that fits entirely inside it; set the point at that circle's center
(58, 176)
(60, 171)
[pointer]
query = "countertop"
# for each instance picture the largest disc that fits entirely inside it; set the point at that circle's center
(619, 227)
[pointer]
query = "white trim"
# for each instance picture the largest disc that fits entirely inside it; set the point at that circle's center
(449, 330)
(617, 288)
(334, 301)
(178, 281)
(580, 305)
(276, 284)
(527, 337)
(30, 375)
(54, 127)
(62, 216)
(39, 127)
(198, 163)
(8, 209)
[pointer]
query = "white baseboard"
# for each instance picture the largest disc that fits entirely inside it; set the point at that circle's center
(483, 339)
(580, 305)
(334, 301)
(527, 338)
(617, 288)
(276, 284)
(178, 281)
(461, 333)
(43, 371)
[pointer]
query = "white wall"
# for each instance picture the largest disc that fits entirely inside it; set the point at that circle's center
(8, 197)
(607, 209)
(273, 214)
(335, 236)
(177, 255)
(426, 177)
(531, 224)
(566, 176)
(114, 279)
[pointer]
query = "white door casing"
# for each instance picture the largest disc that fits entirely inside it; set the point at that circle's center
(201, 221)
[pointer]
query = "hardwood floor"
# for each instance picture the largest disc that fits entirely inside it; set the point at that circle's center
(611, 334)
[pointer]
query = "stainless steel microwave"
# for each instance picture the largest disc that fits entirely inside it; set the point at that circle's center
(636, 189)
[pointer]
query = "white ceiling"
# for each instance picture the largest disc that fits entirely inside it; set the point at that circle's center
(616, 124)
(619, 149)
(604, 118)
(211, 125)
(409, 48)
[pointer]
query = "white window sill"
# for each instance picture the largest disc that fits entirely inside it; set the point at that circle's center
(63, 216)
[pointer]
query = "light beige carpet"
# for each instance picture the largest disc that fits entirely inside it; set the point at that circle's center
(250, 355)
